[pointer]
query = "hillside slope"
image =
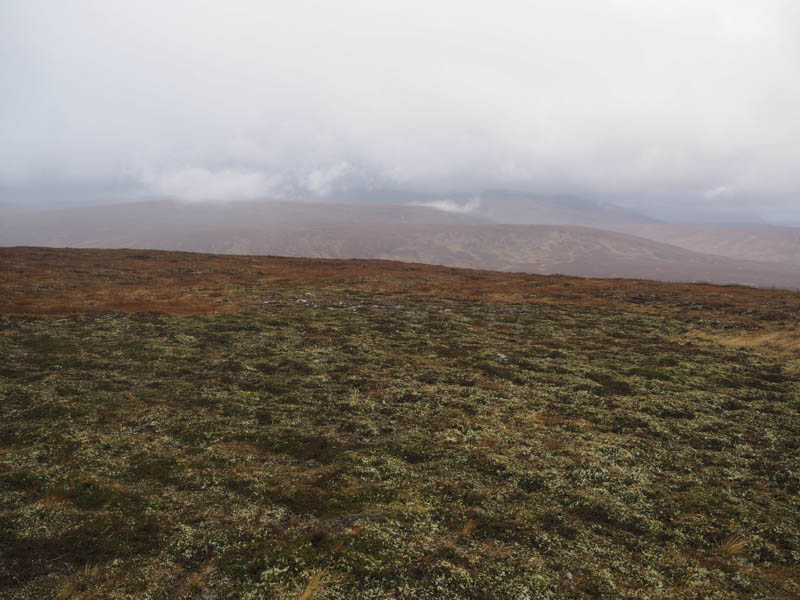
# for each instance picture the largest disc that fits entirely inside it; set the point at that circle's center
(392, 232)
(502, 206)
(543, 249)
(138, 223)
(529, 209)
(203, 426)
(763, 243)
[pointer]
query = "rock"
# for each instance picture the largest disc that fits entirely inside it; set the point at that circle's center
(353, 518)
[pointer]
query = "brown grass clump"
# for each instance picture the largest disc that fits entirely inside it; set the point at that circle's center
(68, 589)
(314, 586)
(732, 546)
(549, 420)
(71, 586)
(554, 443)
(196, 581)
(469, 527)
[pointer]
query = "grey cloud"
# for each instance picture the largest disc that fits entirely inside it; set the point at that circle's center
(646, 103)
(453, 206)
(195, 183)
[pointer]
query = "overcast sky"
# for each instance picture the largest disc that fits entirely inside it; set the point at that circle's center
(666, 105)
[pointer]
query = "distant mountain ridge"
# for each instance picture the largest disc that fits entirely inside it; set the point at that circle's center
(501, 206)
(528, 209)
(126, 223)
(751, 242)
(394, 232)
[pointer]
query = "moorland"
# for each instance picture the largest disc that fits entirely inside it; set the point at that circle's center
(178, 425)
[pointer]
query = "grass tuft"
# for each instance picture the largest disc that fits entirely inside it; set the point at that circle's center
(731, 546)
(314, 586)
(67, 590)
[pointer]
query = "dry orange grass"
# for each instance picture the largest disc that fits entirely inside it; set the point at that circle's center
(314, 586)
(66, 281)
(493, 386)
(732, 546)
(196, 581)
(71, 586)
(781, 573)
(487, 442)
(779, 342)
(67, 590)
(545, 420)
(554, 443)
(469, 527)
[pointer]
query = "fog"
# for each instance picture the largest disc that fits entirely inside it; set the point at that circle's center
(679, 109)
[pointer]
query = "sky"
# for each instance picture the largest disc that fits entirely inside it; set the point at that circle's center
(675, 108)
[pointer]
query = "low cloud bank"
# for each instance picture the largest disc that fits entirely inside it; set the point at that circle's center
(452, 206)
(199, 184)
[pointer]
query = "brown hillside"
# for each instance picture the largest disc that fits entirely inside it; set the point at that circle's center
(50, 281)
(768, 244)
(391, 232)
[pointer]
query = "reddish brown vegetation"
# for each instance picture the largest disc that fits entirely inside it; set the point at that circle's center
(58, 282)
